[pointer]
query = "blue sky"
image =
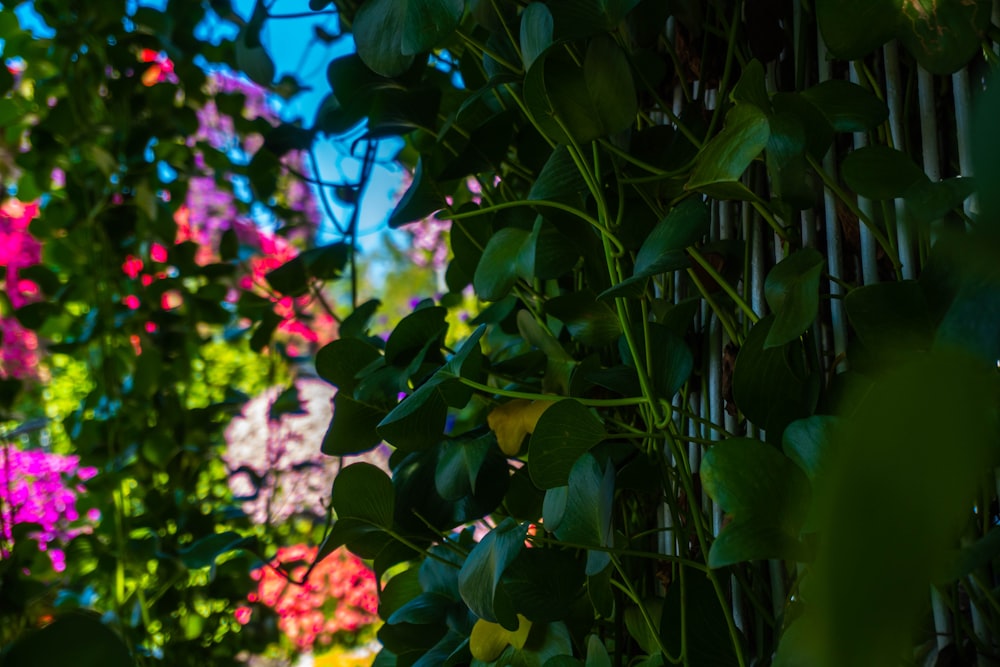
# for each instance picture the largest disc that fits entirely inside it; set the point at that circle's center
(290, 43)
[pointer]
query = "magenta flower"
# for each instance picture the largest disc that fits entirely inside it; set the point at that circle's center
(41, 488)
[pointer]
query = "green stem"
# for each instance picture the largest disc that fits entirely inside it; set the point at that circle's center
(723, 283)
(721, 314)
(831, 184)
(537, 202)
(684, 473)
(625, 586)
(590, 402)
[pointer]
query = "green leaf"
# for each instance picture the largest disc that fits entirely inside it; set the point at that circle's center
(880, 172)
(545, 583)
(547, 253)
(807, 442)
(818, 130)
(340, 362)
(891, 318)
(418, 421)
(773, 386)
(559, 180)
(421, 199)
(479, 578)
(588, 320)
(609, 84)
(945, 35)
(34, 315)
(254, 61)
(986, 148)
(597, 654)
(536, 32)
(352, 429)
(422, 609)
(327, 262)
(664, 249)
(672, 360)
(581, 18)
(496, 273)
(418, 334)
(636, 625)
(459, 464)
(363, 492)
(792, 292)
(355, 325)
(401, 589)
(72, 639)
(564, 432)
(851, 29)
(786, 161)
(765, 493)
(587, 102)
(203, 552)
(586, 519)
(291, 278)
(895, 501)
(847, 106)
(693, 608)
(722, 161)
(927, 201)
(389, 33)
(751, 88)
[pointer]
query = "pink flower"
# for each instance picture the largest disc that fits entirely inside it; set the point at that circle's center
(338, 599)
(243, 615)
(38, 487)
(158, 253)
(18, 250)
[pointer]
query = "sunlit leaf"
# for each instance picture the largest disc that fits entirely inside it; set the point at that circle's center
(513, 420)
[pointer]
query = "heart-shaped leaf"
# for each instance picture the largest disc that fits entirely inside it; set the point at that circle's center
(479, 578)
(847, 106)
(364, 492)
(880, 172)
(564, 432)
(722, 161)
(792, 292)
(766, 495)
(536, 32)
(389, 33)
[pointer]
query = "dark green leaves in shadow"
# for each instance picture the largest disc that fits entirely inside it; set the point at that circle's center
(726, 156)
(72, 639)
(942, 36)
(766, 495)
(536, 32)
(880, 172)
(364, 501)
(891, 318)
(847, 106)
(895, 500)
(588, 320)
(580, 512)
(389, 33)
(664, 250)
(774, 386)
(564, 432)
(792, 292)
(692, 608)
(986, 150)
(588, 102)
(497, 271)
(479, 578)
